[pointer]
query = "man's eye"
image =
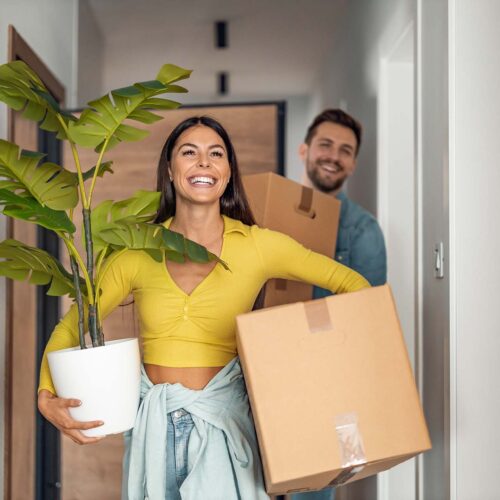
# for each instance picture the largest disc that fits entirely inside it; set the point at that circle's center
(324, 145)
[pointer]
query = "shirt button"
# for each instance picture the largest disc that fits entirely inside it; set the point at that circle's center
(185, 308)
(185, 316)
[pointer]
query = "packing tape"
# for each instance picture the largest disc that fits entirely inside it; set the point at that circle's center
(305, 205)
(280, 284)
(352, 451)
(318, 316)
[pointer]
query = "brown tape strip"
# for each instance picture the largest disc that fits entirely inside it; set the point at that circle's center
(280, 284)
(306, 199)
(318, 316)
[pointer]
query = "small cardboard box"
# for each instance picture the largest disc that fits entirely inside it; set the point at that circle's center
(331, 389)
(307, 215)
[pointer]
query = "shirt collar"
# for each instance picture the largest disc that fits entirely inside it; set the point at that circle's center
(341, 196)
(235, 226)
(230, 225)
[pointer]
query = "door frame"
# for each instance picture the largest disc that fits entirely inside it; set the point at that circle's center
(19, 49)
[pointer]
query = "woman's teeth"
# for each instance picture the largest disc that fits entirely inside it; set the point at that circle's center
(202, 180)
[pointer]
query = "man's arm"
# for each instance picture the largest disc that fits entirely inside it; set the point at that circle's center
(368, 255)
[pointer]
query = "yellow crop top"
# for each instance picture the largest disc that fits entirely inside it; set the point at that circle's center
(198, 330)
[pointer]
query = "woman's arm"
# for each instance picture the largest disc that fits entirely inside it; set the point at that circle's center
(283, 257)
(117, 283)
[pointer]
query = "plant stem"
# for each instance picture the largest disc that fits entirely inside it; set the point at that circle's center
(89, 247)
(96, 171)
(79, 302)
(76, 158)
(74, 252)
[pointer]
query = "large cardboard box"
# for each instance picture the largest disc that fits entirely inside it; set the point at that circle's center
(331, 389)
(307, 215)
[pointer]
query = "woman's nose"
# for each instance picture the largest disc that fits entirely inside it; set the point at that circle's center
(203, 161)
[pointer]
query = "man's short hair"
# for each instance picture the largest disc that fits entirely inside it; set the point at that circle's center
(335, 116)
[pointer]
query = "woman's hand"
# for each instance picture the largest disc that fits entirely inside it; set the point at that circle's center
(55, 410)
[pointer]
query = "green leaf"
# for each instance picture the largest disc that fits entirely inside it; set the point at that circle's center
(22, 262)
(170, 73)
(151, 238)
(22, 90)
(28, 209)
(48, 183)
(141, 207)
(104, 167)
(196, 252)
(103, 123)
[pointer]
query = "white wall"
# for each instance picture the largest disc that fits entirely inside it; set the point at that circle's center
(350, 76)
(297, 121)
(475, 241)
(50, 28)
(90, 56)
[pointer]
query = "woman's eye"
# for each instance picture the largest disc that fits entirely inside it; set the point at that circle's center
(218, 154)
(188, 152)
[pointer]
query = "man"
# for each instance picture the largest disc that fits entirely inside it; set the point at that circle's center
(329, 153)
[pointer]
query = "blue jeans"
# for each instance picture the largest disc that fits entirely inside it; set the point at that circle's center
(179, 427)
(326, 494)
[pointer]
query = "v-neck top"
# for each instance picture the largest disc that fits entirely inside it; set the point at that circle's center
(199, 329)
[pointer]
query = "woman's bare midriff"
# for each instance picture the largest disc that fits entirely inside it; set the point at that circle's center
(192, 378)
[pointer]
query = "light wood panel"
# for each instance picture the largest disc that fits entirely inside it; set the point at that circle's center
(21, 331)
(95, 471)
(22, 354)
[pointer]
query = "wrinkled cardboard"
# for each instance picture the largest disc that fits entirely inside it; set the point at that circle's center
(307, 215)
(308, 364)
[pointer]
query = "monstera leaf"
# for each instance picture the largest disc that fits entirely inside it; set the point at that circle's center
(105, 167)
(28, 209)
(104, 123)
(22, 262)
(21, 89)
(48, 183)
(141, 207)
(156, 240)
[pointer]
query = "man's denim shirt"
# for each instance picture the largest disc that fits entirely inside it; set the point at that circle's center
(360, 244)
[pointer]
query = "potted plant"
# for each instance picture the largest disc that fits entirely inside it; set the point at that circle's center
(47, 194)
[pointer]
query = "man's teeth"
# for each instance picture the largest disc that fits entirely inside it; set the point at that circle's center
(202, 180)
(330, 168)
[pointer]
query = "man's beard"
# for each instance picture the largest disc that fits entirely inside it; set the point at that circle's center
(322, 184)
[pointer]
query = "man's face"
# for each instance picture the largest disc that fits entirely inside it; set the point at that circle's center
(331, 157)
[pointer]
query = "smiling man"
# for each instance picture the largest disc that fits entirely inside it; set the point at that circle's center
(329, 153)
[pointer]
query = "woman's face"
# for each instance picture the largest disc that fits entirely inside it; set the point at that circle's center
(199, 166)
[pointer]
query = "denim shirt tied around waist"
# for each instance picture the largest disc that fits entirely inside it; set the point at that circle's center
(222, 445)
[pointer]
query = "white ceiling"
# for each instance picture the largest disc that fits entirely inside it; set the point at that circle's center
(276, 47)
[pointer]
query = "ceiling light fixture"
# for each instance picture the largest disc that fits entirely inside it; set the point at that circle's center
(221, 38)
(222, 83)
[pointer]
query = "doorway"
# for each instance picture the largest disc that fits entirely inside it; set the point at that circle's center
(398, 216)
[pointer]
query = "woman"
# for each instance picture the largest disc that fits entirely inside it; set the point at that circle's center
(193, 394)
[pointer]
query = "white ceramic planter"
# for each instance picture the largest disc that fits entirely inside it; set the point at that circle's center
(106, 379)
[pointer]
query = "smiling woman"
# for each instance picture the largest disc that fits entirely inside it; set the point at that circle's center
(194, 436)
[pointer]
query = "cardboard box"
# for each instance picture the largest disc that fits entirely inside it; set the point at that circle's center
(331, 389)
(307, 215)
